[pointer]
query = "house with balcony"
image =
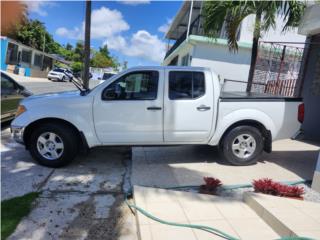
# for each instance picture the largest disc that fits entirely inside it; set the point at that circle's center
(188, 46)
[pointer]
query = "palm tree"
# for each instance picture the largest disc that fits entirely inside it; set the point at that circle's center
(231, 13)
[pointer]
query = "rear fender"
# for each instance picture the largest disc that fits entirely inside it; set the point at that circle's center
(234, 117)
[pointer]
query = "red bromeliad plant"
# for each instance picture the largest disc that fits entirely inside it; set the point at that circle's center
(268, 186)
(211, 185)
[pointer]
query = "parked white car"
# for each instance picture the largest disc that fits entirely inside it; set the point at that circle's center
(60, 74)
(155, 106)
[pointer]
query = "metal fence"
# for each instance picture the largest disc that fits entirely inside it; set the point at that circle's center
(277, 68)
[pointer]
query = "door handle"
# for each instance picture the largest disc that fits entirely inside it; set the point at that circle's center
(154, 108)
(203, 108)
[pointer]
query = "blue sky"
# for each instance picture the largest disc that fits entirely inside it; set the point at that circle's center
(133, 30)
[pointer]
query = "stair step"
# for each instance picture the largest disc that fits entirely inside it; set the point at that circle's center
(286, 216)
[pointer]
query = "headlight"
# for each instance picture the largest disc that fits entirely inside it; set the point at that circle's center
(21, 109)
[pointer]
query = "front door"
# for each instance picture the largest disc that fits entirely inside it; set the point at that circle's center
(188, 104)
(130, 109)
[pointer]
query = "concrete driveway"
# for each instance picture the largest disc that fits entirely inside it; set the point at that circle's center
(84, 200)
(187, 165)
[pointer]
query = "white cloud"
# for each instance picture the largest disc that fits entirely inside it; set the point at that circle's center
(134, 2)
(75, 33)
(39, 7)
(164, 28)
(109, 25)
(104, 23)
(142, 44)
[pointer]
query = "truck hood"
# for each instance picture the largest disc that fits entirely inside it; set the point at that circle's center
(52, 96)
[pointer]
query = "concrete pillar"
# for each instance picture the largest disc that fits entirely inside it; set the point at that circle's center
(316, 177)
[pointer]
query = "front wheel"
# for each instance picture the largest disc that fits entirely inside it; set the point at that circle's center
(242, 145)
(53, 145)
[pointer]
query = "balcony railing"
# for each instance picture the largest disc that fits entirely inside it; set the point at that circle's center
(195, 29)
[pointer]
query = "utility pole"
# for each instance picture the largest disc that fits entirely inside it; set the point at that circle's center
(43, 48)
(87, 45)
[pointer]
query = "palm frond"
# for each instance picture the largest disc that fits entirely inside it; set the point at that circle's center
(293, 12)
(230, 13)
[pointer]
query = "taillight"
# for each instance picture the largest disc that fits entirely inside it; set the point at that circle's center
(301, 112)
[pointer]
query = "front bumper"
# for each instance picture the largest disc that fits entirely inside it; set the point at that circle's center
(17, 133)
(58, 77)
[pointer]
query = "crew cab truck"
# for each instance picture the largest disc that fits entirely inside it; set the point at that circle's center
(155, 106)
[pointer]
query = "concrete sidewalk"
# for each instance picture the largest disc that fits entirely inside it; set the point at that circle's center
(187, 165)
(232, 217)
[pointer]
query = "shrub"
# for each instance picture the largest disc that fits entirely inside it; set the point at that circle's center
(268, 186)
(211, 185)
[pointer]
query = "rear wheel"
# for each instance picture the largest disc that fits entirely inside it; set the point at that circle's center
(242, 145)
(53, 145)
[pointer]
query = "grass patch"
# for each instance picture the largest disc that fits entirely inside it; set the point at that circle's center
(13, 210)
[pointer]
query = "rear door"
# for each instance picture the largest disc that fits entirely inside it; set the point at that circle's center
(188, 106)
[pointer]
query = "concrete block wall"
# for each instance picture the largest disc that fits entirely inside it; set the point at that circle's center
(316, 177)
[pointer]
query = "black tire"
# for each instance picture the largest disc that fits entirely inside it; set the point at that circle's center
(49, 79)
(63, 78)
(242, 157)
(65, 133)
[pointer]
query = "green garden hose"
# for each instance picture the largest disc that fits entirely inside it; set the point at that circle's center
(231, 187)
(201, 227)
(207, 228)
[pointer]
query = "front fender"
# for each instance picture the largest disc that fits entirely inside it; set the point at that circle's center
(241, 115)
(83, 123)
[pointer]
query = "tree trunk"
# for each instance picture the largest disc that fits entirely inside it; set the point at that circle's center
(254, 51)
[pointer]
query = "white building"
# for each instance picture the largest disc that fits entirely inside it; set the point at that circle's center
(192, 48)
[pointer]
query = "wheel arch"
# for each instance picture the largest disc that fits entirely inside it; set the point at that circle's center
(34, 124)
(267, 135)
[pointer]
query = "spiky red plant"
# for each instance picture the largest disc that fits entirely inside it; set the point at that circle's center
(268, 186)
(211, 185)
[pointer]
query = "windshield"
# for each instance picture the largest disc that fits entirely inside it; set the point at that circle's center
(107, 75)
(58, 70)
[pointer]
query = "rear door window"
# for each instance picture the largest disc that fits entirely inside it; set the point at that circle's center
(186, 85)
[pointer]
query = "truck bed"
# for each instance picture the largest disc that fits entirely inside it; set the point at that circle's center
(255, 97)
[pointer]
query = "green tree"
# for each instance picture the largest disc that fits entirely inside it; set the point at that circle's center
(216, 13)
(77, 67)
(79, 52)
(34, 34)
(102, 59)
(69, 47)
(104, 50)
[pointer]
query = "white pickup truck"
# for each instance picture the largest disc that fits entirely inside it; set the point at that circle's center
(155, 106)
